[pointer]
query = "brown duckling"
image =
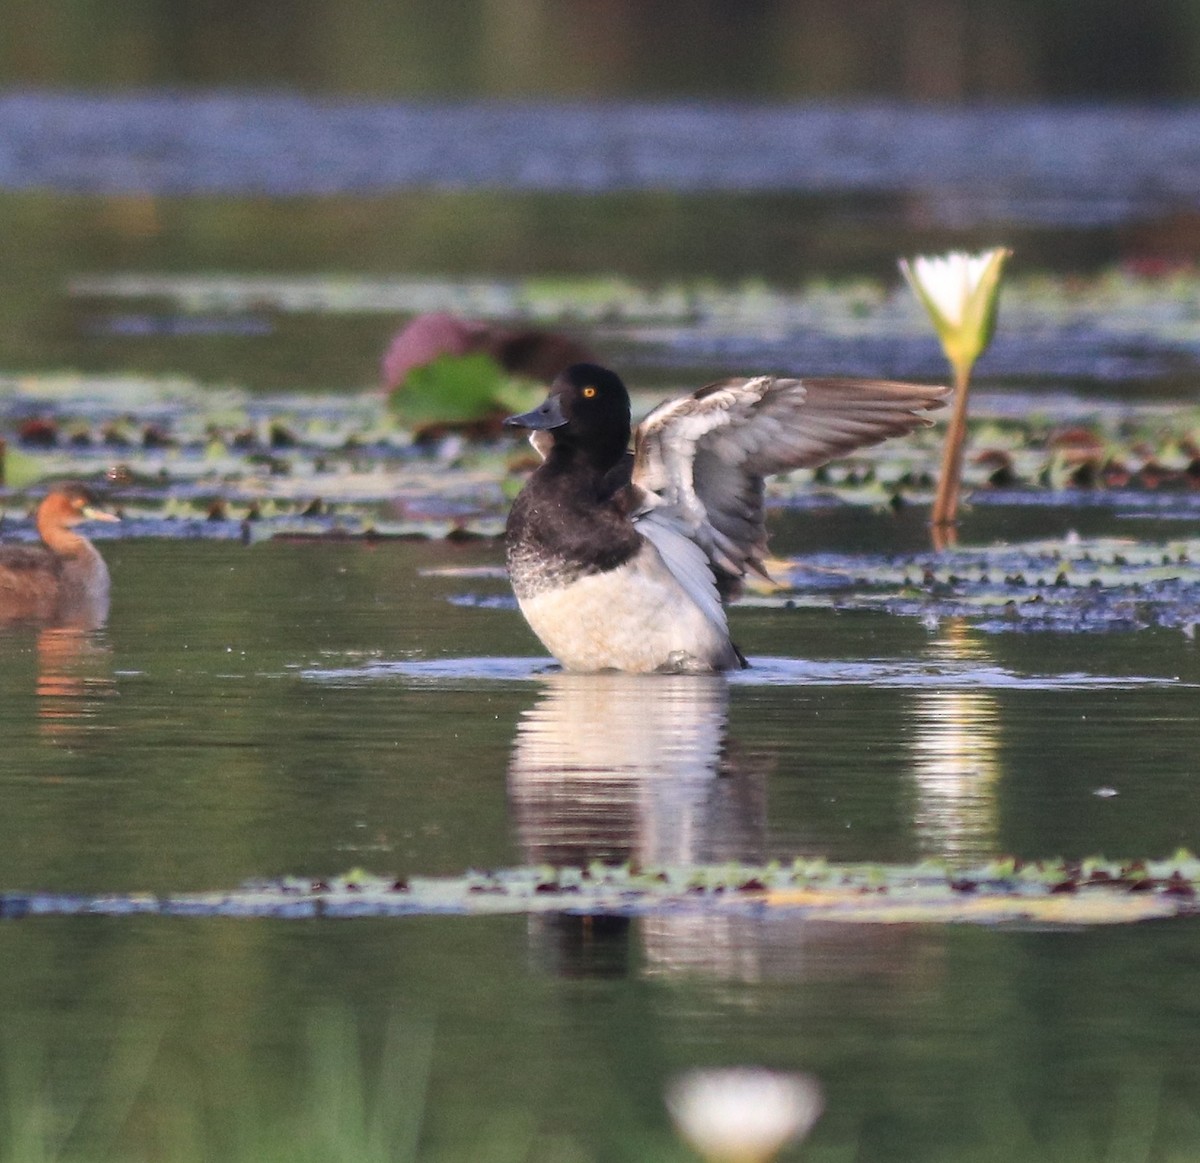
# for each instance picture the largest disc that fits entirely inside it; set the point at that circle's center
(64, 580)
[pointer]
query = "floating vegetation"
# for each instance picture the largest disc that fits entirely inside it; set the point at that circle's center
(1091, 891)
(160, 439)
(1069, 584)
(179, 460)
(466, 393)
(1117, 326)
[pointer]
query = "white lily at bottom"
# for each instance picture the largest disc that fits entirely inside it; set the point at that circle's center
(744, 1114)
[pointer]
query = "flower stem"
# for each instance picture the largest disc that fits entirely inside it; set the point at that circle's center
(945, 501)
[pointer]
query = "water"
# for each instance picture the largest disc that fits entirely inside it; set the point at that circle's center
(1072, 166)
(309, 708)
(298, 706)
(290, 715)
(306, 706)
(931, 1044)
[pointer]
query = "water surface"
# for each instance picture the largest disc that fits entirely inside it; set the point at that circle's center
(262, 706)
(309, 708)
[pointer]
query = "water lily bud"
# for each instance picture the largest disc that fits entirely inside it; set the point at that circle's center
(743, 1114)
(960, 292)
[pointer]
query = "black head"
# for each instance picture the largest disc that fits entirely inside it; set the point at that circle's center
(587, 408)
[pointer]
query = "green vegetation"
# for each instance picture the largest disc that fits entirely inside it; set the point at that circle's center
(460, 389)
(141, 1108)
(1071, 892)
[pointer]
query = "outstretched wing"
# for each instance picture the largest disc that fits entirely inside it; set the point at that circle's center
(703, 457)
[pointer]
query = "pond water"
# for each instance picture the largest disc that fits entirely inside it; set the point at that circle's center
(290, 696)
(308, 708)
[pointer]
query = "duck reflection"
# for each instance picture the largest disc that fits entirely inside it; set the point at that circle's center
(74, 681)
(956, 757)
(624, 767)
(620, 767)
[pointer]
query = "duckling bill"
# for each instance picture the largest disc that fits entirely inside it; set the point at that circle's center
(63, 581)
(622, 560)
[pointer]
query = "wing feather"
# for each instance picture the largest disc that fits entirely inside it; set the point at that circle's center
(687, 562)
(702, 458)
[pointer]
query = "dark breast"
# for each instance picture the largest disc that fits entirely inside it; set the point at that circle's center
(560, 530)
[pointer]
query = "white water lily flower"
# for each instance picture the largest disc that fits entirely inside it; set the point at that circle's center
(960, 291)
(744, 1114)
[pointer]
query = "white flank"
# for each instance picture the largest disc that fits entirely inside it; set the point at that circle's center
(637, 617)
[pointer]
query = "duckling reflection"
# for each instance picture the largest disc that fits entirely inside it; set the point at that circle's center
(615, 767)
(63, 581)
(956, 758)
(74, 682)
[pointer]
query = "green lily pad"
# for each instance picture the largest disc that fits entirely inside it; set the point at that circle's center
(18, 469)
(460, 389)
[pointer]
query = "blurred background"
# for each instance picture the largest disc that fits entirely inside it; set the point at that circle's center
(168, 171)
(760, 50)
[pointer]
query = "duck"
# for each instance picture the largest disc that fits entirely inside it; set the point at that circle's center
(64, 580)
(625, 559)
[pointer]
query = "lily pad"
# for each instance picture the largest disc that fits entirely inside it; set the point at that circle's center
(1092, 891)
(460, 388)
(1070, 584)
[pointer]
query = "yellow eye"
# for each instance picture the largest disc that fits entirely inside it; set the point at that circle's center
(588, 393)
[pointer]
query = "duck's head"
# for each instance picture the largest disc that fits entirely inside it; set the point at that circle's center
(68, 505)
(587, 408)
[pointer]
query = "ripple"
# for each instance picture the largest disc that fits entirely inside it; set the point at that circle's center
(434, 671)
(908, 674)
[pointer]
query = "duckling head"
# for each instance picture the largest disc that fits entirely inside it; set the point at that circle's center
(587, 408)
(66, 506)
